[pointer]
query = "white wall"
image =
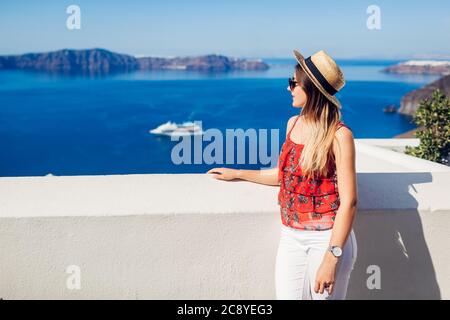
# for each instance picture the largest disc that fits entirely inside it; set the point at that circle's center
(190, 236)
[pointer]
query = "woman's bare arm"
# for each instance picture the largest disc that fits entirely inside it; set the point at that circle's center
(347, 186)
(346, 174)
(266, 176)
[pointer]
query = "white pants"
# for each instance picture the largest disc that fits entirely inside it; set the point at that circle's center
(300, 253)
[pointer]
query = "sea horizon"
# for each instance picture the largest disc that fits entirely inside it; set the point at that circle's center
(374, 58)
(65, 125)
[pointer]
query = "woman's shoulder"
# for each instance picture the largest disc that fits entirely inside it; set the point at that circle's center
(345, 127)
(343, 133)
(290, 123)
(344, 142)
(292, 119)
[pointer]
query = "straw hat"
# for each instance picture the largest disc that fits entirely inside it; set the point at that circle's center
(324, 73)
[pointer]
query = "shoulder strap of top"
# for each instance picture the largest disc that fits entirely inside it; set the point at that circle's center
(341, 124)
(289, 133)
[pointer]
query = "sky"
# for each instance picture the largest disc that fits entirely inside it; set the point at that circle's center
(239, 28)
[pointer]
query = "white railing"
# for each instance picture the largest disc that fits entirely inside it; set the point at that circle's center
(176, 236)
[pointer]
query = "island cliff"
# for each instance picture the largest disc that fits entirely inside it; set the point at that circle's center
(420, 67)
(411, 100)
(101, 61)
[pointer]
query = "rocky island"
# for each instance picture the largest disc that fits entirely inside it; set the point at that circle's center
(420, 67)
(411, 100)
(101, 61)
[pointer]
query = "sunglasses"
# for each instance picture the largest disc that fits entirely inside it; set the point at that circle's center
(292, 83)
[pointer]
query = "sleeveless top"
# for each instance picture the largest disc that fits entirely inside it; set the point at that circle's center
(305, 204)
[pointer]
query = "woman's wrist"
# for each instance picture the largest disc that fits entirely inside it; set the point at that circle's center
(238, 173)
(330, 258)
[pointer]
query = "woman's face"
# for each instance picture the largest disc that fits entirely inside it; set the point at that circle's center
(298, 95)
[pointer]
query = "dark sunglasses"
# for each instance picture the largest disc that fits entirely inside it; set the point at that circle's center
(292, 83)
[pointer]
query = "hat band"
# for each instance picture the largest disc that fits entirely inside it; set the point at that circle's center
(319, 77)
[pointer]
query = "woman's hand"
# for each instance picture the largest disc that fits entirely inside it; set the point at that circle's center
(224, 173)
(326, 274)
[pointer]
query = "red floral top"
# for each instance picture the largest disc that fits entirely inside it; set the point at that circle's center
(305, 204)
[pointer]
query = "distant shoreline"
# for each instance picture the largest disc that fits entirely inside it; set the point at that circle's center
(101, 61)
(420, 67)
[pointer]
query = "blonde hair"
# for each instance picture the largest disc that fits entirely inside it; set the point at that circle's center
(322, 118)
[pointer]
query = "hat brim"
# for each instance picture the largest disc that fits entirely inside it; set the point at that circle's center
(301, 61)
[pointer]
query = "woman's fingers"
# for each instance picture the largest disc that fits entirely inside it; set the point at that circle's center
(216, 173)
(330, 289)
(215, 170)
(317, 287)
(321, 286)
(222, 173)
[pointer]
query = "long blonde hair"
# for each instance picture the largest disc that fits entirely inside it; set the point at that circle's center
(321, 117)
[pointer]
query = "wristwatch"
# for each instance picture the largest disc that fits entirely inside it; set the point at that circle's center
(335, 250)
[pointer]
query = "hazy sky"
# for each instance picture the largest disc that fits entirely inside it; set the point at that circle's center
(258, 28)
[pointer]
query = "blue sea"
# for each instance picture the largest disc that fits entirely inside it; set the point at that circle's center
(95, 126)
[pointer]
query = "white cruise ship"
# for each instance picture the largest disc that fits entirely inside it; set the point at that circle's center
(172, 129)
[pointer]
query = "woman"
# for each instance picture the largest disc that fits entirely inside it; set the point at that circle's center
(317, 249)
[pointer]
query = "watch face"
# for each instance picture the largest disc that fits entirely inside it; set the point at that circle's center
(337, 252)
